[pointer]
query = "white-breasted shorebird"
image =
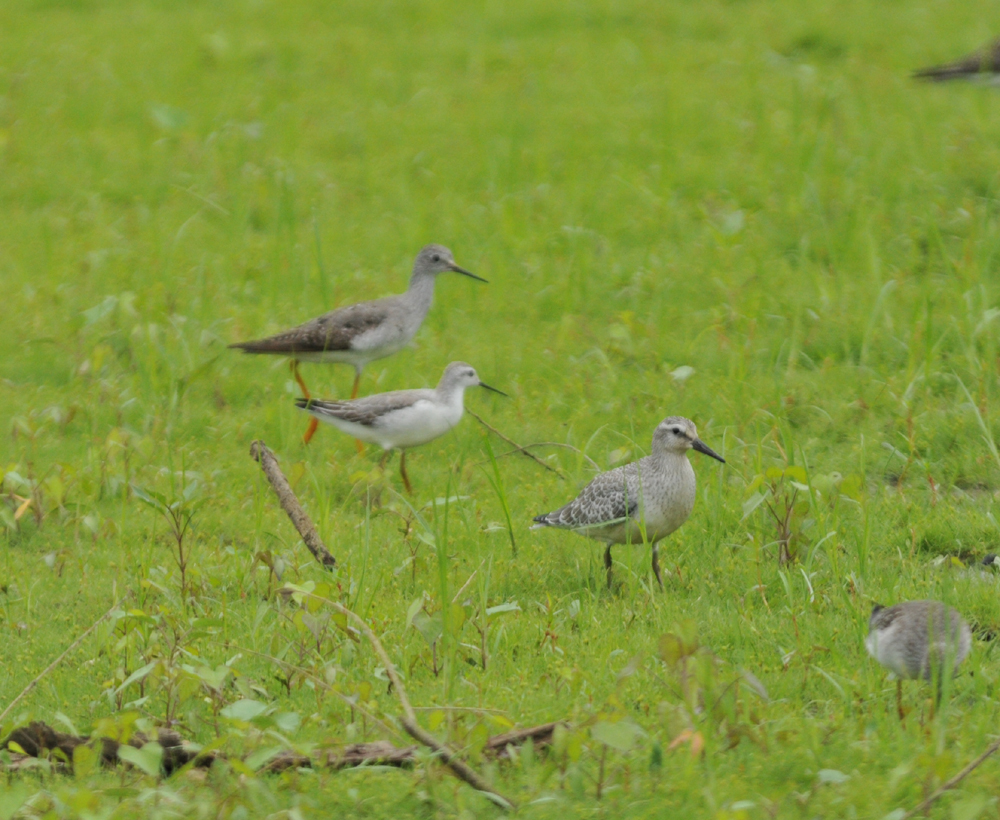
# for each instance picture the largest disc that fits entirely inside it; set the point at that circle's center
(361, 333)
(918, 639)
(980, 66)
(403, 418)
(640, 502)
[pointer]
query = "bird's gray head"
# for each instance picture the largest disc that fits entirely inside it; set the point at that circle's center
(876, 609)
(435, 259)
(459, 375)
(676, 434)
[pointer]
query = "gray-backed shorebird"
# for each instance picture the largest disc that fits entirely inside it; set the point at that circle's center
(361, 333)
(639, 502)
(917, 639)
(980, 66)
(404, 418)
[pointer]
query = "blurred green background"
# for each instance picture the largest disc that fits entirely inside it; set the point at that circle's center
(743, 212)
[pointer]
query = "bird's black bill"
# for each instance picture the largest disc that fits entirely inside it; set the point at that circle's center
(304, 404)
(493, 389)
(701, 447)
(463, 271)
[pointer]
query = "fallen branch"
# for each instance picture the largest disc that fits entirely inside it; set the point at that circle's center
(55, 663)
(39, 741)
(513, 443)
(260, 452)
(950, 784)
(540, 736)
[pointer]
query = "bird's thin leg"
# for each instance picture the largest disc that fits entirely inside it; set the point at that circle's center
(656, 565)
(313, 422)
(607, 564)
(381, 461)
(294, 364)
(310, 430)
(354, 395)
(402, 472)
(899, 700)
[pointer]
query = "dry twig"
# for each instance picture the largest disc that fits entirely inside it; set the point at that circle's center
(513, 443)
(290, 504)
(260, 452)
(950, 784)
(55, 663)
(409, 722)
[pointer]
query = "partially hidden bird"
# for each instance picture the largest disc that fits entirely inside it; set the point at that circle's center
(403, 418)
(640, 502)
(979, 66)
(917, 639)
(361, 333)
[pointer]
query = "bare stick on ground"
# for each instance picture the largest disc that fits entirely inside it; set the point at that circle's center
(950, 784)
(513, 443)
(290, 504)
(260, 452)
(55, 663)
(461, 769)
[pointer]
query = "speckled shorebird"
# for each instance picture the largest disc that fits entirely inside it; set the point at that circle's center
(639, 502)
(404, 418)
(361, 333)
(980, 66)
(913, 640)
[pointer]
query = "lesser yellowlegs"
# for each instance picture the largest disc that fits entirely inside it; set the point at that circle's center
(361, 333)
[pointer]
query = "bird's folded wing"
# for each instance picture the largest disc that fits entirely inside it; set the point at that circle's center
(366, 411)
(609, 498)
(331, 331)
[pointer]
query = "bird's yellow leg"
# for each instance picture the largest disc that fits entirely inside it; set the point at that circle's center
(294, 364)
(310, 430)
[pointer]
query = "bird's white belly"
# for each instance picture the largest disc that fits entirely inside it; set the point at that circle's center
(417, 424)
(885, 646)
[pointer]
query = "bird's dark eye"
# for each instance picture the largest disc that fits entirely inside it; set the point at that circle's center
(677, 431)
(435, 258)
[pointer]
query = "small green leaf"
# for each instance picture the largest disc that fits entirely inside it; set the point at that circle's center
(245, 710)
(149, 758)
(621, 735)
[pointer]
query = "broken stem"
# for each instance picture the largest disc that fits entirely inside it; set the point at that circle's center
(260, 452)
(513, 443)
(56, 662)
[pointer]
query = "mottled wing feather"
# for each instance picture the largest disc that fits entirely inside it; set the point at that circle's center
(612, 496)
(331, 331)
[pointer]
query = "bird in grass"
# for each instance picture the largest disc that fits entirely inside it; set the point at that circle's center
(980, 66)
(361, 333)
(640, 502)
(403, 418)
(917, 639)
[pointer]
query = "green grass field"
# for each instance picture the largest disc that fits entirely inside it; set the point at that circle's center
(741, 212)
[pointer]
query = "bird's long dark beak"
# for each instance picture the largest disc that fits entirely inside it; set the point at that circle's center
(463, 271)
(484, 384)
(701, 447)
